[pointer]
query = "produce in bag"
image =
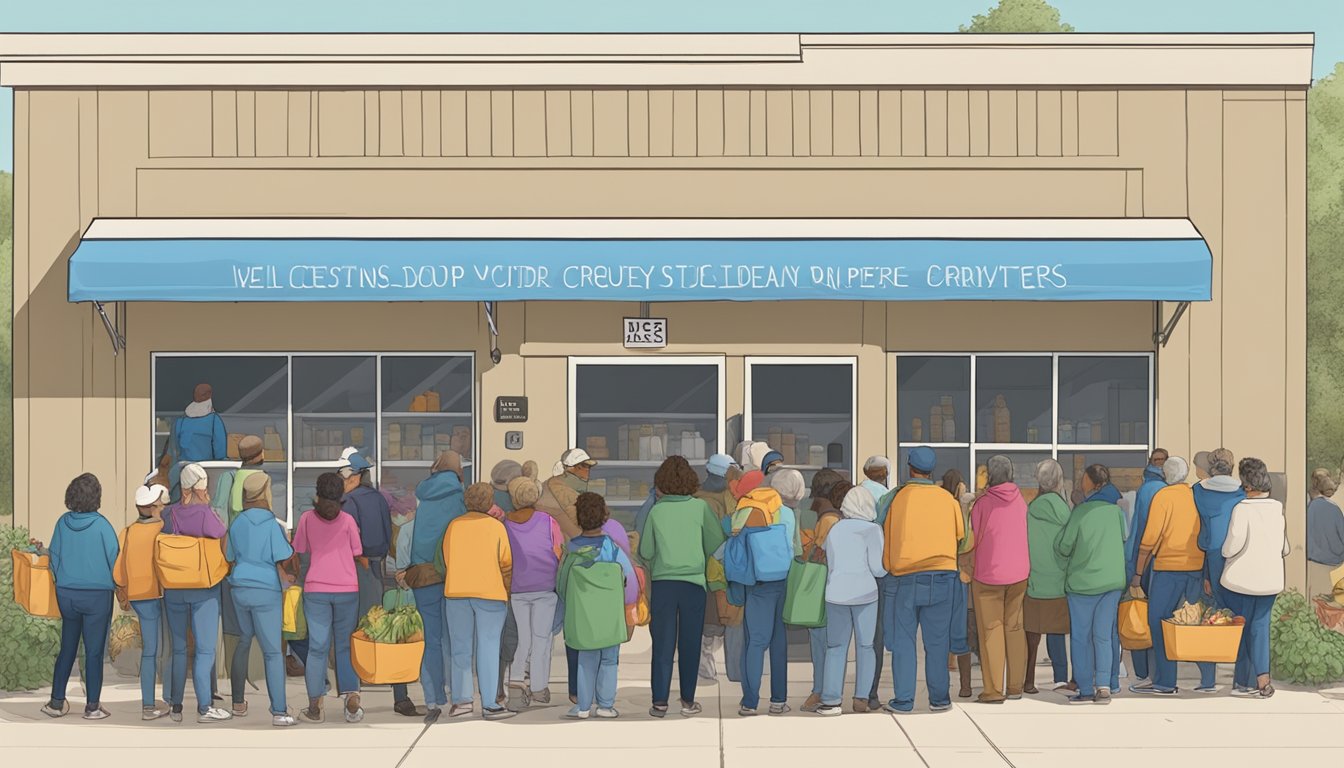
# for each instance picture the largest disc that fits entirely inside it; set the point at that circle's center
(388, 646)
(124, 635)
(1197, 632)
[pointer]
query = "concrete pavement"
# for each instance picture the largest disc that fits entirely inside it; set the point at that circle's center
(1296, 727)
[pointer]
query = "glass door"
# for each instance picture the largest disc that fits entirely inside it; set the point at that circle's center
(803, 407)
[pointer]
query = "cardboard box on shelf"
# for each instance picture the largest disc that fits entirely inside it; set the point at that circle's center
(916, 429)
(232, 445)
(356, 435)
(461, 440)
(443, 440)
(412, 433)
(936, 424)
(623, 443)
(432, 402)
(419, 404)
(816, 455)
(393, 451)
(596, 445)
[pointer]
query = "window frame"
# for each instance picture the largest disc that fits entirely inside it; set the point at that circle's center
(749, 413)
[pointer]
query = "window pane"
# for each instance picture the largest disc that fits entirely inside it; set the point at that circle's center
(1024, 469)
(250, 395)
(806, 413)
(1126, 470)
(1103, 401)
(334, 404)
(427, 409)
(934, 399)
(1012, 398)
(948, 458)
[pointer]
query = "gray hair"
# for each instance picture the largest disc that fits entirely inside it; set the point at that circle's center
(1220, 462)
(1000, 470)
(1175, 470)
(1254, 475)
(789, 484)
(1050, 476)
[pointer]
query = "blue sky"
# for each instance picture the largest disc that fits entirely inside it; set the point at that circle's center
(1324, 17)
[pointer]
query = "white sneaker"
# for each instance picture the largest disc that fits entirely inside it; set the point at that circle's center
(283, 721)
(354, 713)
(607, 713)
(150, 713)
(575, 713)
(214, 715)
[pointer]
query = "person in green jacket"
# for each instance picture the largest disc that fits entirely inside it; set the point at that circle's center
(1045, 610)
(1093, 547)
(681, 533)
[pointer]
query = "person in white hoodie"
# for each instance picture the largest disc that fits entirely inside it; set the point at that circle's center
(1257, 542)
(853, 565)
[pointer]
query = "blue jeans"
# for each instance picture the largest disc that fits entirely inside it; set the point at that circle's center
(597, 677)
(434, 667)
(331, 620)
(87, 614)
(1092, 631)
(150, 613)
(919, 601)
(816, 641)
(961, 644)
(260, 614)
(1253, 655)
(879, 637)
(842, 623)
(676, 619)
(198, 608)
(1058, 651)
(475, 624)
(734, 648)
(763, 618)
(1168, 589)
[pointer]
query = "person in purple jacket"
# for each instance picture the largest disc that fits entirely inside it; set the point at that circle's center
(537, 545)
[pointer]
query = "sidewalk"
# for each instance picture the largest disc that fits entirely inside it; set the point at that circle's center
(1037, 732)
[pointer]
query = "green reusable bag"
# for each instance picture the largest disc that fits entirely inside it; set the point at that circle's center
(805, 595)
(595, 607)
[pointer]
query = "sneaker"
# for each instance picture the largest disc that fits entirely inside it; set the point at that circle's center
(432, 715)
(353, 712)
(1208, 690)
(240, 709)
(607, 713)
(860, 706)
(1149, 689)
(498, 713)
(1079, 698)
(97, 713)
(829, 710)
(541, 698)
(575, 713)
(407, 708)
(1065, 688)
(658, 710)
(691, 708)
(1243, 692)
(1103, 696)
(283, 721)
(894, 709)
(458, 710)
(812, 704)
(1014, 697)
(61, 711)
(150, 713)
(779, 709)
(746, 712)
(940, 707)
(214, 715)
(175, 715)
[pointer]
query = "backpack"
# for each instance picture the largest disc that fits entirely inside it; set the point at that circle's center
(188, 562)
(766, 500)
(594, 599)
(771, 552)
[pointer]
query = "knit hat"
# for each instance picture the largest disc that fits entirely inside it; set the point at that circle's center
(503, 472)
(250, 447)
(257, 491)
(790, 485)
(755, 455)
(859, 504)
(750, 482)
(193, 476)
(719, 464)
(922, 459)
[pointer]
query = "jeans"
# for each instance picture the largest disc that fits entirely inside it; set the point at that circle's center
(1168, 589)
(534, 613)
(923, 601)
(1253, 655)
(597, 678)
(87, 614)
(332, 617)
(1092, 630)
(508, 648)
(572, 665)
(764, 620)
(260, 614)
(150, 614)
(1058, 651)
(734, 645)
(434, 667)
(961, 597)
(475, 624)
(816, 640)
(879, 636)
(676, 618)
(842, 623)
(198, 608)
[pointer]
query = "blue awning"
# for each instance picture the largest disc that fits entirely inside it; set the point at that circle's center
(228, 260)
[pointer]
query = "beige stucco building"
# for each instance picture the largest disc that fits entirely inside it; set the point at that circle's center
(900, 131)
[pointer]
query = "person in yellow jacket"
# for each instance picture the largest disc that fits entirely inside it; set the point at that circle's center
(138, 588)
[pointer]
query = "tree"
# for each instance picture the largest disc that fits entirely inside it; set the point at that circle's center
(1325, 270)
(1018, 16)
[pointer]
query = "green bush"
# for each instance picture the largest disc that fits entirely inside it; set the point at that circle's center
(1302, 651)
(28, 645)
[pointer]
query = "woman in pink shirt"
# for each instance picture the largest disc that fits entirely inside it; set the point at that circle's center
(1002, 564)
(331, 540)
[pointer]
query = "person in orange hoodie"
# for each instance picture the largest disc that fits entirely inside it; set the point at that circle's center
(138, 588)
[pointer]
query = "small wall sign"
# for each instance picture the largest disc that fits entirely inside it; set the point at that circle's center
(645, 332)
(510, 409)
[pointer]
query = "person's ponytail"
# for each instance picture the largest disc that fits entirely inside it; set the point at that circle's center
(330, 489)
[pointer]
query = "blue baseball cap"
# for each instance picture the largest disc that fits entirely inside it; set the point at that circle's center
(355, 460)
(719, 464)
(922, 459)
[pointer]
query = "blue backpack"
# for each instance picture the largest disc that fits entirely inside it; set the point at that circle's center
(771, 552)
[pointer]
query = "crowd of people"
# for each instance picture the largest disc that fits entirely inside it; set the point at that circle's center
(498, 568)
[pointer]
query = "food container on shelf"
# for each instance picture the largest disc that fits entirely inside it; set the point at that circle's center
(916, 430)
(1066, 432)
(1202, 642)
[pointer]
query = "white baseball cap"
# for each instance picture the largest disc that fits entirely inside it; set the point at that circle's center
(576, 456)
(148, 495)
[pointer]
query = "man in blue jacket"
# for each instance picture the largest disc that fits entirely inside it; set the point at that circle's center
(1215, 496)
(1153, 481)
(199, 433)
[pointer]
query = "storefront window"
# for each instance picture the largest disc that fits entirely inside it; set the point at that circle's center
(1012, 400)
(1104, 401)
(334, 406)
(630, 415)
(804, 408)
(426, 410)
(934, 399)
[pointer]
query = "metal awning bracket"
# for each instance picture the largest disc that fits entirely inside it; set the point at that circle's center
(113, 331)
(1164, 335)
(490, 320)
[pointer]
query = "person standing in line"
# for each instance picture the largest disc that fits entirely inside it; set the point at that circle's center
(479, 563)
(877, 476)
(715, 492)
(827, 516)
(198, 609)
(1215, 496)
(1170, 544)
(1092, 546)
(1045, 610)
(735, 633)
(1325, 534)
(256, 546)
(1153, 481)
(537, 546)
(330, 595)
(613, 530)
(679, 538)
(561, 492)
(1256, 544)
(501, 475)
(138, 587)
(199, 433)
(963, 639)
(772, 462)
(922, 531)
(227, 502)
(82, 554)
(1002, 565)
(853, 548)
(763, 613)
